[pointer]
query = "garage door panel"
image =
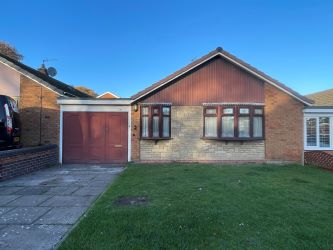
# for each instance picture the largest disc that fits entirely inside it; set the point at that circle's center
(117, 137)
(95, 137)
(95, 144)
(73, 137)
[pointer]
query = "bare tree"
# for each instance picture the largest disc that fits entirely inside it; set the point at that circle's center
(10, 51)
(87, 91)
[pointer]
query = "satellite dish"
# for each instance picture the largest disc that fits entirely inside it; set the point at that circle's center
(51, 71)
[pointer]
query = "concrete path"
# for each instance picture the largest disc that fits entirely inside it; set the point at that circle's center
(38, 209)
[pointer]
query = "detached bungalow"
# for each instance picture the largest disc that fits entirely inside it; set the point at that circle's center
(216, 109)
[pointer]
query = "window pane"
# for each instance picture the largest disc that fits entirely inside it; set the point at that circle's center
(258, 112)
(243, 127)
(166, 110)
(156, 126)
(144, 131)
(324, 131)
(155, 111)
(227, 126)
(166, 129)
(210, 127)
(257, 126)
(243, 111)
(228, 111)
(311, 132)
(145, 110)
(211, 111)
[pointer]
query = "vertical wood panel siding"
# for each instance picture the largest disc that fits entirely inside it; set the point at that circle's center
(215, 81)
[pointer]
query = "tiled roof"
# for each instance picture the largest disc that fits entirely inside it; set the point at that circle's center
(322, 98)
(220, 52)
(55, 85)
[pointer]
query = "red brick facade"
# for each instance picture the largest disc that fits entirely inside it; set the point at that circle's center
(319, 159)
(283, 126)
(26, 160)
(135, 135)
(39, 113)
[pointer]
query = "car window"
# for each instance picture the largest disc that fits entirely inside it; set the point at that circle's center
(2, 113)
(13, 104)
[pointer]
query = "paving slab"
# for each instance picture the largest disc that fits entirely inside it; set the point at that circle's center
(104, 177)
(4, 210)
(28, 200)
(34, 190)
(61, 215)
(23, 215)
(69, 201)
(62, 190)
(38, 209)
(9, 190)
(98, 184)
(37, 237)
(4, 199)
(84, 191)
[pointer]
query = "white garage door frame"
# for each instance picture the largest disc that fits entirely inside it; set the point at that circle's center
(94, 105)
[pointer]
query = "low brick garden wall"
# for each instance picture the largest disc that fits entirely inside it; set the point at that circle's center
(319, 159)
(26, 160)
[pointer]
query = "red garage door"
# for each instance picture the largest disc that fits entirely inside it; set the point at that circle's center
(95, 137)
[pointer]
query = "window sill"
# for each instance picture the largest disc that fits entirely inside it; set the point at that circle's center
(156, 139)
(232, 139)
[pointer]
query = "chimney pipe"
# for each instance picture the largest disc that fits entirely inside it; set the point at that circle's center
(43, 70)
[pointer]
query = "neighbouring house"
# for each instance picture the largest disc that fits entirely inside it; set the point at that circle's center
(107, 95)
(216, 109)
(36, 94)
(318, 129)
(322, 98)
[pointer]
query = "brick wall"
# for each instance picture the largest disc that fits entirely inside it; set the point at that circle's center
(319, 158)
(283, 126)
(135, 135)
(39, 114)
(187, 145)
(23, 161)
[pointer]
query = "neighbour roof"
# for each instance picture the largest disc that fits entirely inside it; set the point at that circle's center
(322, 98)
(220, 52)
(49, 82)
(107, 94)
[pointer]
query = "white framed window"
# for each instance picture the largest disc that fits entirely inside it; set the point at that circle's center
(311, 132)
(318, 131)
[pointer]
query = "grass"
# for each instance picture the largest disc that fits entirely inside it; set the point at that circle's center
(197, 206)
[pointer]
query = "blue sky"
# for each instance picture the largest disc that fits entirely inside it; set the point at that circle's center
(124, 46)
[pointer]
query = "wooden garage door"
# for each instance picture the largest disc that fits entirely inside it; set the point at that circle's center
(95, 137)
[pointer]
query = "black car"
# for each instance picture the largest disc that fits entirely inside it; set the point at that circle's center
(9, 123)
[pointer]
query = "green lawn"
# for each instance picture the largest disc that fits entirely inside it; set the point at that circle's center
(197, 206)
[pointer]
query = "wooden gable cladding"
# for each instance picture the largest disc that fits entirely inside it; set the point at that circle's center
(214, 81)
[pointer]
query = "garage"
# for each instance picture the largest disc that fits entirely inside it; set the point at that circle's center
(94, 131)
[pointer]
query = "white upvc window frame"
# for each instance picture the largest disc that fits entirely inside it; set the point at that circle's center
(316, 114)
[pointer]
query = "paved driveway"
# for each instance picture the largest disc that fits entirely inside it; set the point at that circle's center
(38, 209)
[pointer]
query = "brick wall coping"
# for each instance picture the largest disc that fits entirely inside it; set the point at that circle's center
(20, 151)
